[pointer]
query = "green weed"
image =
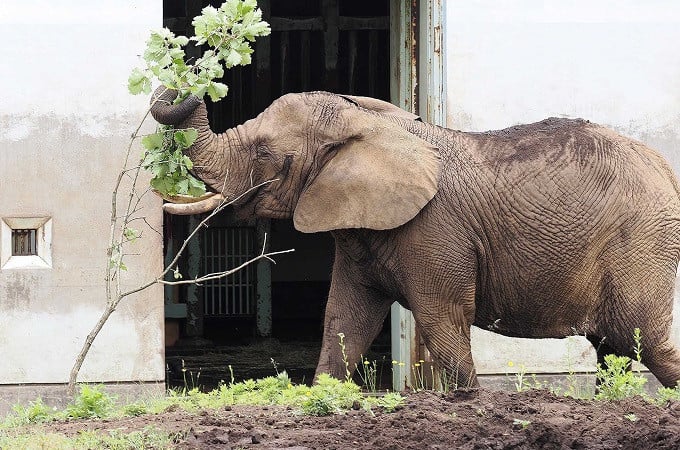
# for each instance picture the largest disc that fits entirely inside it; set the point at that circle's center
(368, 373)
(391, 402)
(520, 423)
(343, 349)
(330, 396)
(616, 380)
(665, 395)
(92, 402)
(35, 412)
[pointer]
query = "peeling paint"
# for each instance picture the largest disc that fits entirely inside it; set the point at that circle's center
(23, 127)
(17, 290)
(17, 128)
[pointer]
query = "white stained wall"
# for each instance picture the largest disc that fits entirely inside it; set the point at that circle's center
(65, 122)
(614, 62)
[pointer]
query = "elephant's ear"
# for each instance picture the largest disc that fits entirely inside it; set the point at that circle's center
(380, 177)
(381, 106)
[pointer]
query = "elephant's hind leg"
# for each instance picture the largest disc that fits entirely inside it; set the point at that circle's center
(664, 362)
(642, 299)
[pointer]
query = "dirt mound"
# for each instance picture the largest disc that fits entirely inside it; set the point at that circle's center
(474, 419)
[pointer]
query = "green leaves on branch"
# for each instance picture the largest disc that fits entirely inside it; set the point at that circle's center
(228, 30)
(165, 159)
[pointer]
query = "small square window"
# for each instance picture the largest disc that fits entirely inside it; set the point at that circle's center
(25, 243)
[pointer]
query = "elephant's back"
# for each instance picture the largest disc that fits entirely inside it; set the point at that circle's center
(559, 200)
(575, 157)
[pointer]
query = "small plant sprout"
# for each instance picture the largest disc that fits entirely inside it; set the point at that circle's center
(632, 417)
(665, 395)
(522, 381)
(92, 402)
(637, 339)
(418, 373)
(368, 372)
(348, 374)
(521, 423)
(190, 383)
(231, 374)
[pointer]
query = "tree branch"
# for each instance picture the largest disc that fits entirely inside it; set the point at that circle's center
(113, 270)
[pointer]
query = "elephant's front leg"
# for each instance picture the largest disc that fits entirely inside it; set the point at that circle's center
(354, 311)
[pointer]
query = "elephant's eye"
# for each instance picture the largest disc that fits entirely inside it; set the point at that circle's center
(262, 151)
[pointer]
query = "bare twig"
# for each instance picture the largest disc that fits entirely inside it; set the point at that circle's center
(115, 253)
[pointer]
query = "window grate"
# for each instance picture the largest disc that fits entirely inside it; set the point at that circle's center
(24, 242)
(225, 249)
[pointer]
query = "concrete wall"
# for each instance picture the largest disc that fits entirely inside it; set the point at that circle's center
(65, 121)
(613, 62)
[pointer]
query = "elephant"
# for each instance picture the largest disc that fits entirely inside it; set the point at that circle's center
(538, 231)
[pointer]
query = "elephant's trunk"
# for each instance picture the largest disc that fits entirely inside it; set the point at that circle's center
(167, 113)
(209, 153)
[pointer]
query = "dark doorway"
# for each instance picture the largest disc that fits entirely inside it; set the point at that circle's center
(332, 45)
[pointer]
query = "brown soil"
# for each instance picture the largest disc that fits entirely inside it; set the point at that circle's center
(475, 419)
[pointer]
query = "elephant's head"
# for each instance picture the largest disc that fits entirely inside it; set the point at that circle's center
(338, 161)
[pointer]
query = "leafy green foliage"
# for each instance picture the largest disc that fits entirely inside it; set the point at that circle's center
(391, 402)
(92, 402)
(330, 396)
(149, 438)
(616, 380)
(135, 409)
(229, 31)
(131, 234)
(34, 412)
(165, 159)
(665, 395)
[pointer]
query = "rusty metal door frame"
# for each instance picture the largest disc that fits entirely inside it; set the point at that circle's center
(418, 84)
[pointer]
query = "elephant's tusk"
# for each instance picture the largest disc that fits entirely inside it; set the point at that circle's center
(187, 209)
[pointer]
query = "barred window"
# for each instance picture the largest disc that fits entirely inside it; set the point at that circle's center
(24, 242)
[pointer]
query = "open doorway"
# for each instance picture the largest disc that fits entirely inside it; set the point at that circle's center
(268, 312)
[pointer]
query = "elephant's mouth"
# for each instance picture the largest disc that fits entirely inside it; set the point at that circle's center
(183, 199)
(184, 205)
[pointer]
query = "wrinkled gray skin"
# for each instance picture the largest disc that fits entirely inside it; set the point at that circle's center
(541, 230)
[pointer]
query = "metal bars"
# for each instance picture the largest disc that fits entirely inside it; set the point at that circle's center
(24, 242)
(224, 249)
